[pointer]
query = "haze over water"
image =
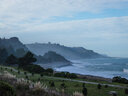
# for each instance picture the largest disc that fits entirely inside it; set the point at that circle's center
(105, 67)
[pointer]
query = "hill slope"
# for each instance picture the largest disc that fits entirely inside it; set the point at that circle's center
(14, 42)
(16, 47)
(67, 52)
(50, 57)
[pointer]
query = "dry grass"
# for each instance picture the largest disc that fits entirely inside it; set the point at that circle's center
(77, 94)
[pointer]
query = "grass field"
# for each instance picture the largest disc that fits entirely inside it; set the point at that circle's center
(70, 86)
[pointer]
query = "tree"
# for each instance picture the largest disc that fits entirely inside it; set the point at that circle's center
(84, 91)
(72, 75)
(3, 55)
(120, 80)
(49, 70)
(27, 59)
(11, 60)
(33, 68)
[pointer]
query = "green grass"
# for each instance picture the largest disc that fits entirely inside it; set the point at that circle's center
(70, 86)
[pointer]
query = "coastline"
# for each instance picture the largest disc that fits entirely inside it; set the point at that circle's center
(92, 77)
(80, 76)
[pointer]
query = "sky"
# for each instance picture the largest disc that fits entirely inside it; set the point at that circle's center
(99, 25)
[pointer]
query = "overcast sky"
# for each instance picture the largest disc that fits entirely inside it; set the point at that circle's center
(100, 25)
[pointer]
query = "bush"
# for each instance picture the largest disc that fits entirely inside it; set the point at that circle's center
(39, 79)
(126, 91)
(106, 86)
(63, 85)
(32, 74)
(32, 68)
(6, 89)
(65, 74)
(18, 72)
(25, 73)
(99, 86)
(84, 91)
(41, 74)
(26, 77)
(11, 70)
(72, 75)
(120, 80)
(49, 70)
(52, 84)
(83, 85)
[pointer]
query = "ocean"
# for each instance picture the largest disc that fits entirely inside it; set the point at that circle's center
(105, 67)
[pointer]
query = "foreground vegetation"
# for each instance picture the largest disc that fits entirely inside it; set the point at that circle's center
(61, 87)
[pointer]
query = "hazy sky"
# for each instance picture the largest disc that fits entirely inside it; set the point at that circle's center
(100, 25)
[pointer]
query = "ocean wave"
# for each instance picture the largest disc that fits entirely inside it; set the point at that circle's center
(107, 64)
(125, 70)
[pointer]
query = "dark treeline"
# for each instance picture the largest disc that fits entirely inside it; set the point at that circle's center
(5, 52)
(26, 63)
(120, 80)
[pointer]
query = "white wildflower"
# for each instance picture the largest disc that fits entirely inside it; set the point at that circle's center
(38, 86)
(6, 74)
(77, 94)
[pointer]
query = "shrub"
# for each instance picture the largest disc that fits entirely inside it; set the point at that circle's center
(106, 86)
(5, 68)
(65, 74)
(41, 74)
(6, 89)
(52, 84)
(22, 84)
(84, 91)
(32, 68)
(83, 84)
(32, 74)
(38, 86)
(25, 73)
(49, 70)
(63, 85)
(72, 75)
(99, 86)
(11, 70)
(38, 79)
(120, 80)
(26, 77)
(126, 91)
(18, 72)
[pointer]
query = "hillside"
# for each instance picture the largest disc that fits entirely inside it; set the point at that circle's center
(16, 47)
(13, 42)
(67, 52)
(50, 57)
